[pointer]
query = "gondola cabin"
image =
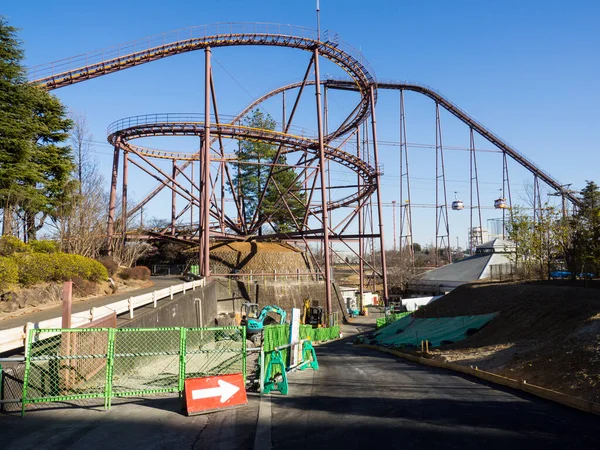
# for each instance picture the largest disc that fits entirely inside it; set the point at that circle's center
(500, 203)
(458, 205)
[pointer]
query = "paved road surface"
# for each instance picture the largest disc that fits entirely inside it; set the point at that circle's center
(359, 399)
(56, 311)
(363, 399)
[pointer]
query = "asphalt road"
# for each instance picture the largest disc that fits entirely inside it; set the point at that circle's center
(151, 423)
(363, 399)
(359, 399)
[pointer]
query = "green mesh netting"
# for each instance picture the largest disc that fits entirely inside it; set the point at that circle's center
(383, 321)
(277, 335)
(409, 331)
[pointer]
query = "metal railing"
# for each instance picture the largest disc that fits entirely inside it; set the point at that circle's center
(182, 37)
(15, 338)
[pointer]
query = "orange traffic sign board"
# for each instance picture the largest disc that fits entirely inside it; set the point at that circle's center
(214, 393)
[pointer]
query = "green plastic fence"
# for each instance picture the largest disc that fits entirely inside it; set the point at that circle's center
(278, 335)
(74, 364)
(383, 321)
(409, 331)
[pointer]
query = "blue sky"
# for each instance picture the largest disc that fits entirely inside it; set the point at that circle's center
(528, 70)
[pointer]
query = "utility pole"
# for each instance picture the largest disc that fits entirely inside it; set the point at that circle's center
(394, 222)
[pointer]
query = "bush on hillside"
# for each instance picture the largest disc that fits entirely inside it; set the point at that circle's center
(43, 246)
(36, 268)
(9, 245)
(67, 266)
(84, 288)
(33, 267)
(135, 273)
(9, 272)
(110, 264)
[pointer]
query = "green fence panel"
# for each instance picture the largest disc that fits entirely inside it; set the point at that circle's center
(146, 361)
(275, 336)
(64, 365)
(75, 364)
(215, 351)
(391, 318)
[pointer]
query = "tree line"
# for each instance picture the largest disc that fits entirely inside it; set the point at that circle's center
(547, 241)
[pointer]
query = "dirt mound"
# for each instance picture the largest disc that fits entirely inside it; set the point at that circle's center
(257, 258)
(546, 334)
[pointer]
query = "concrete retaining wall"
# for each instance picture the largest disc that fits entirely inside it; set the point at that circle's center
(179, 312)
(224, 295)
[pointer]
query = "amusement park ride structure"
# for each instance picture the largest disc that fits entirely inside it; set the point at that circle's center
(353, 145)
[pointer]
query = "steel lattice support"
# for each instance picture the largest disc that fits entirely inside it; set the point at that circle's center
(325, 217)
(442, 231)
(476, 237)
(406, 231)
(112, 200)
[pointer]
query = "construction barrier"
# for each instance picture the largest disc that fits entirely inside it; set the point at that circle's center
(275, 353)
(279, 335)
(275, 375)
(103, 363)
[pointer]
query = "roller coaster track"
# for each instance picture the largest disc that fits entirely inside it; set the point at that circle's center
(122, 132)
(95, 64)
(467, 119)
(80, 68)
(91, 65)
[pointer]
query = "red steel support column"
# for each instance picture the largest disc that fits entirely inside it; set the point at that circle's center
(206, 168)
(192, 192)
(201, 207)
(124, 196)
(173, 199)
(378, 181)
(361, 263)
(110, 229)
(323, 184)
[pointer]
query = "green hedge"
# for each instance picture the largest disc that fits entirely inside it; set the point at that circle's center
(9, 272)
(36, 268)
(43, 246)
(10, 245)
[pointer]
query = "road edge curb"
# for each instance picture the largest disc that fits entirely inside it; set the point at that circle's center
(538, 391)
(262, 438)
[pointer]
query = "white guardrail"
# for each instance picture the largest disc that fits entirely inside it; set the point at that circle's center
(15, 338)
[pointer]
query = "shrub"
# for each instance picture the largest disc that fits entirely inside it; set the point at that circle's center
(9, 272)
(84, 288)
(125, 274)
(67, 267)
(34, 267)
(9, 245)
(110, 265)
(135, 273)
(43, 246)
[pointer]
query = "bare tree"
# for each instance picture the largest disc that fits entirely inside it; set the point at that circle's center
(80, 221)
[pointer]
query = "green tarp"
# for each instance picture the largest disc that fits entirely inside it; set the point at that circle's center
(409, 331)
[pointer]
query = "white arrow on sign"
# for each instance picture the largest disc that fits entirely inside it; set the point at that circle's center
(225, 391)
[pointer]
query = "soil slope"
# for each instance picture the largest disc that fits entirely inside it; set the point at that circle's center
(547, 334)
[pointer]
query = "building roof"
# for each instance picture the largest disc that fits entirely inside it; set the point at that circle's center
(467, 269)
(499, 246)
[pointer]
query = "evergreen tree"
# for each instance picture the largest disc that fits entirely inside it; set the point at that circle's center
(252, 179)
(587, 229)
(35, 169)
